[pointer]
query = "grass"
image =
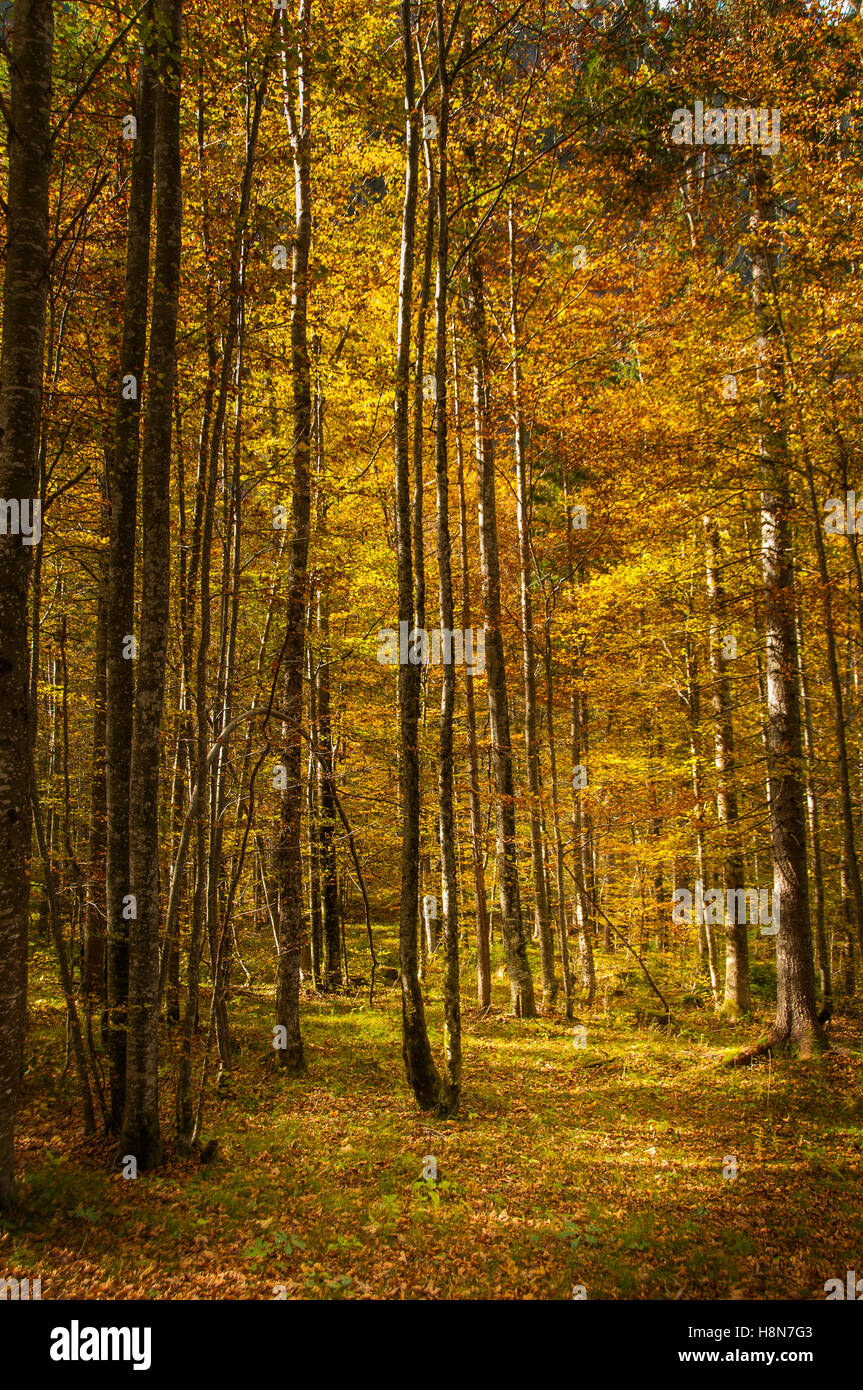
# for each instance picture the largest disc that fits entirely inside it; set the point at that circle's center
(600, 1166)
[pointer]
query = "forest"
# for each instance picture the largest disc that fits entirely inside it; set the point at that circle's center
(431, 650)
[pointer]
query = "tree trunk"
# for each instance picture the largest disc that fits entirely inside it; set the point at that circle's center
(123, 485)
(821, 947)
(141, 1135)
(420, 1069)
(313, 825)
(706, 935)
(289, 850)
(796, 1021)
(515, 946)
(584, 909)
(852, 895)
(540, 888)
(737, 993)
(93, 972)
(483, 960)
(451, 1091)
(24, 298)
(558, 838)
(327, 827)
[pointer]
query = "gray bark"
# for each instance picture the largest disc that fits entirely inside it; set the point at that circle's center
(289, 849)
(141, 1134)
(737, 991)
(483, 961)
(540, 888)
(421, 1072)
(796, 1021)
(451, 1090)
(515, 946)
(822, 949)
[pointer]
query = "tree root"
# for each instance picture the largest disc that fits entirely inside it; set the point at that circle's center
(777, 1043)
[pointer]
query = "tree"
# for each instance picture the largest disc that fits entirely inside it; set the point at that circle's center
(289, 843)
(421, 1072)
(120, 636)
(796, 1015)
(540, 889)
(24, 296)
(737, 992)
(141, 1134)
(520, 979)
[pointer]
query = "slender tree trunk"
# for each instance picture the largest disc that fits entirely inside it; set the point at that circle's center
(540, 888)
(289, 851)
(73, 873)
(178, 811)
(123, 484)
(707, 951)
(558, 838)
(737, 992)
(420, 1069)
(515, 946)
(24, 298)
(428, 925)
(329, 866)
(483, 959)
(326, 953)
(313, 824)
(451, 1090)
(419, 394)
(231, 575)
(141, 1135)
(852, 896)
(584, 911)
(327, 828)
(822, 950)
(93, 973)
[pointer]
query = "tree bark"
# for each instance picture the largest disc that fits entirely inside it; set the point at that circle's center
(796, 1020)
(540, 887)
(483, 959)
(24, 297)
(515, 946)
(141, 1134)
(737, 991)
(822, 950)
(93, 971)
(420, 1069)
(590, 979)
(852, 894)
(123, 485)
(584, 908)
(706, 935)
(289, 849)
(451, 1090)
(316, 943)
(327, 825)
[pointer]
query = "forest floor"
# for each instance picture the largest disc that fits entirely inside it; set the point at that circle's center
(599, 1165)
